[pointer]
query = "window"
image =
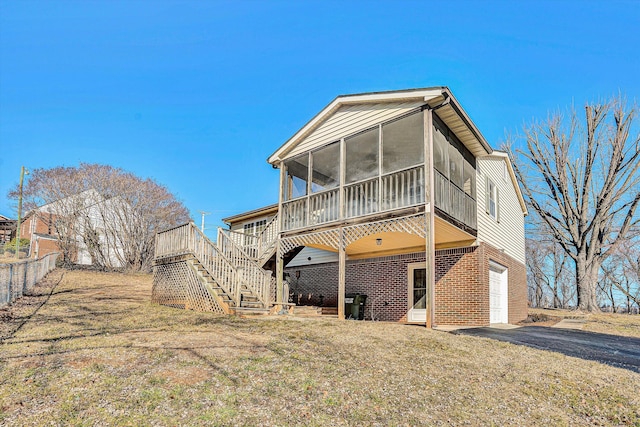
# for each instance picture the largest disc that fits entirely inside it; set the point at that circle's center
(253, 229)
(492, 200)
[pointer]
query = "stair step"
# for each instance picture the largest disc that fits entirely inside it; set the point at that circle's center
(243, 311)
(251, 304)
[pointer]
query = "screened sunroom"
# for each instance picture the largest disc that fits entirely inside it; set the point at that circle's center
(380, 170)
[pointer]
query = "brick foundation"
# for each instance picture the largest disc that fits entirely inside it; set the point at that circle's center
(461, 291)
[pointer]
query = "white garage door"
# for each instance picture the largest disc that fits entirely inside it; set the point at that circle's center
(498, 294)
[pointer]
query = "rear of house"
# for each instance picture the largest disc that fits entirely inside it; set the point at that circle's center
(396, 196)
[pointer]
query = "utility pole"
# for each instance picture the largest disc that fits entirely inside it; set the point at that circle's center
(23, 172)
(203, 214)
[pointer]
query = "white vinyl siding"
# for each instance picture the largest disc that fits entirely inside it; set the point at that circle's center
(318, 256)
(351, 119)
(240, 226)
(506, 231)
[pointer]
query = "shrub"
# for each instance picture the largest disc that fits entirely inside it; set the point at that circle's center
(23, 245)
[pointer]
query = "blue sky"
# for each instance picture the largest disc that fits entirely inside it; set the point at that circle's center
(197, 94)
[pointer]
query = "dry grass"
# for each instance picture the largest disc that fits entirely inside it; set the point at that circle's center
(10, 259)
(99, 353)
(605, 323)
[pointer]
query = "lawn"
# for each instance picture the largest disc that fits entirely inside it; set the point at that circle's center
(605, 323)
(90, 349)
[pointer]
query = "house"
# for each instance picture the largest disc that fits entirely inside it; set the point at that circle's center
(75, 223)
(7, 228)
(38, 225)
(394, 195)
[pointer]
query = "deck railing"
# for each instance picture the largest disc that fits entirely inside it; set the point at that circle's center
(294, 214)
(454, 201)
(361, 198)
(391, 191)
(324, 207)
(404, 188)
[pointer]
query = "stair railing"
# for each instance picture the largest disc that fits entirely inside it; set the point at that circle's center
(267, 239)
(247, 242)
(187, 238)
(250, 273)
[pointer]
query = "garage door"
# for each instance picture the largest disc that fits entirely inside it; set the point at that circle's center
(498, 294)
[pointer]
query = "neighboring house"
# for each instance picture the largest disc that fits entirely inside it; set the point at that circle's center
(395, 195)
(38, 226)
(7, 229)
(77, 215)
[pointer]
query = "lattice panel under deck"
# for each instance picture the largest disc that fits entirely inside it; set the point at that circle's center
(329, 238)
(178, 285)
(415, 225)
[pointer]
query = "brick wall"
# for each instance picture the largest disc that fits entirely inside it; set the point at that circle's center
(461, 291)
(383, 280)
(461, 296)
(45, 246)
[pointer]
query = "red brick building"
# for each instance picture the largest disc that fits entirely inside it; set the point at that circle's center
(39, 227)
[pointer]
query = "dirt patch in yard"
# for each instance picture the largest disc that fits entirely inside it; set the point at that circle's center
(540, 319)
(99, 353)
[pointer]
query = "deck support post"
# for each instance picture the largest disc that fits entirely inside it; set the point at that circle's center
(430, 250)
(279, 279)
(342, 261)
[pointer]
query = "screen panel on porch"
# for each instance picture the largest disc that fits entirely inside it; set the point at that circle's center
(383, 170)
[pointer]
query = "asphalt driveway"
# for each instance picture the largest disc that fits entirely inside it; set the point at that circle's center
(614, 350)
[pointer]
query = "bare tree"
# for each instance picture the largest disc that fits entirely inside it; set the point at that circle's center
(622, 272)
(547, 273)
(582, 182)
(111, 214)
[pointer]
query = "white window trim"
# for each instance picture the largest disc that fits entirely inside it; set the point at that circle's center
(492, 194)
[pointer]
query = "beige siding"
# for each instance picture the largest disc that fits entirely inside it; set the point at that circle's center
(351, 119)
(318, 256)
(508, 232)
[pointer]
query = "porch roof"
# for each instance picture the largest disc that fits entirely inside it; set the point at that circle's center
(440, 97)
(263, 211)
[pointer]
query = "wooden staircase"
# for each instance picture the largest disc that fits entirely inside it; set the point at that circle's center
(231, 276)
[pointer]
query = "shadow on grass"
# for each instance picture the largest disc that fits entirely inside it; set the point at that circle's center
(26, 319)
(614, 350)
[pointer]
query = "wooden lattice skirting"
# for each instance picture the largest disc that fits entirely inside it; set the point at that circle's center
(178, 285)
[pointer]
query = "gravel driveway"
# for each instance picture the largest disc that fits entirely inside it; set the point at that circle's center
(614, 350)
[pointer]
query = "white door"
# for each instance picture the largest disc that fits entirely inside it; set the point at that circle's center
(498, 294)
(417, 292)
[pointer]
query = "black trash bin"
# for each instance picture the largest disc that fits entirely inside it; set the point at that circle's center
(354, 306)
